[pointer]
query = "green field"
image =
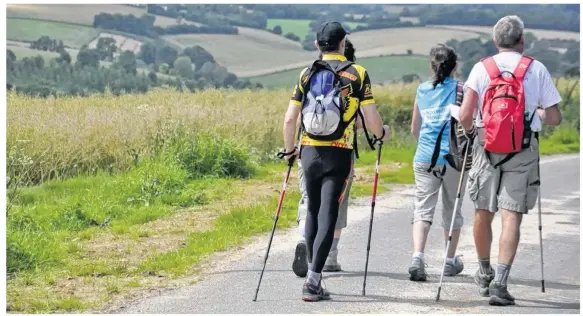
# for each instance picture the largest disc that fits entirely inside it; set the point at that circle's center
(381, 69)
(30, 30)
(299, 27)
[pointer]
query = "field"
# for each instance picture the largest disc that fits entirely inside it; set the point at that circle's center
(299, 27)
(381, 69)
(123, 43)
(22, 50)
(78, 13)
(30, 30)
(397, 41)
(266, 53)
(540, 34)
(149, 185)
(251, 52)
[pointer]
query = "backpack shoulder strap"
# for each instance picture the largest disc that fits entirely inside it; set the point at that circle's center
(459, 93)
(343, 66)
(491, 67)
(522, 67)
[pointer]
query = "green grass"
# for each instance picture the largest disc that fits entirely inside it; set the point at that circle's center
(72, 35)
(22, 52)
(565, 139)
(381, 69)
(300, 28)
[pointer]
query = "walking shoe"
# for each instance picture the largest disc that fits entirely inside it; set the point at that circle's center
(499, 295)
(417, 270)
(300, 265)
(455, 267)
(483, 281)
(312, 293)
(332, 265)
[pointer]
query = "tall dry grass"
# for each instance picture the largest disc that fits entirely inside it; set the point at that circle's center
(57, 138)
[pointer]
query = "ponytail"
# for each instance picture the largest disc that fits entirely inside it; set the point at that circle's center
(443, 61)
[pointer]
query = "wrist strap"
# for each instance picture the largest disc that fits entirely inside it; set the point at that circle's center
(282, 154)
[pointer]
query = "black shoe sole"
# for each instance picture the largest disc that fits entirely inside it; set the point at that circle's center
(300, 265)
(497, 301)
(415, 275)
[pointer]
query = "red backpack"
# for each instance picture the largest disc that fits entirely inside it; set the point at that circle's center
(503, 110)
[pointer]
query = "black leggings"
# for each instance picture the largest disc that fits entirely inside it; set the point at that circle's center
(326, 171)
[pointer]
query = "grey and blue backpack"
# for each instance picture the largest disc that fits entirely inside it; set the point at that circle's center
(323, 106)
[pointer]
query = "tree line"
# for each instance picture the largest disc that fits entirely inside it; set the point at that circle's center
(194, 69)
(558, 63)
(144, 26)
(563, 17)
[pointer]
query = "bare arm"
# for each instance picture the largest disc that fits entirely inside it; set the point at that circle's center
(415, 122)
(551, 116)
(373, 120)
(467, 109)
(289, 126)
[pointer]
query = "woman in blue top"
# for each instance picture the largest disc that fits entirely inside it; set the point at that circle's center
(430, 113)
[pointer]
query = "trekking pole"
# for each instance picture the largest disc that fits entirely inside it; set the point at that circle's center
(374, 196)
(540, 232)
(279, 204)
(455, 207)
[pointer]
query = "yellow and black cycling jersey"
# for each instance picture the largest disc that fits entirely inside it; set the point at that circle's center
(356, 89)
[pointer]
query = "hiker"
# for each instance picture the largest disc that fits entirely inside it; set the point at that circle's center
(300, 263)
(504, 173)
(430, 126)
(328, 135)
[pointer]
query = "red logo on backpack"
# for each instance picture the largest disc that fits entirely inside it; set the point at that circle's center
(503, 108)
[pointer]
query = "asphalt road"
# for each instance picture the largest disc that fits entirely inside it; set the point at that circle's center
(229, 286)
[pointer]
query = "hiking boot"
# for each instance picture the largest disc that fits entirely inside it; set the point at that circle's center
(417, 270)
(454, 268)
(312, 293)
(483, 281)
(300, 265)
(499, 295)
(332, 264)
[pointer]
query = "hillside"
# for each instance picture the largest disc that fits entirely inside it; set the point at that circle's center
(81, 14)
(540, 34)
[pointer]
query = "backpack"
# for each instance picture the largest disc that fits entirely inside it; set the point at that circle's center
(507, 128)
(457, 140)
(322, 112)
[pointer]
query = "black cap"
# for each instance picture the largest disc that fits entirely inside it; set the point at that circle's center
(330, 34)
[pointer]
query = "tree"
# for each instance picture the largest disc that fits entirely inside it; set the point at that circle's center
(183, 65)
(166, 54)
(10, 55)
(164, 68)
(88, 57)
(106, 48)
(127, 62)
(198, 55)
(64, 57)
(409, 51)
(147, 53)
(292, 37)
(277, 30)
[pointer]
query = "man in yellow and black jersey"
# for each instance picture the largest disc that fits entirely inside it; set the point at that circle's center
(327, 164)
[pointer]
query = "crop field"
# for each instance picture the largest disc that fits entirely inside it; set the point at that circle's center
(30, 30)
(78, 13)
(381, 70)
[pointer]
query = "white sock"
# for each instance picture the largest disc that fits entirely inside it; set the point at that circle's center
(314, 278)
(451, 260)
(419, 255)
(302, 229)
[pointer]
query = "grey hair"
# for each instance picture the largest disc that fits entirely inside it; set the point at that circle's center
(508, 31)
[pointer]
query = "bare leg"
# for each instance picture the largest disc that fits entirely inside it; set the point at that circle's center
(420, 232)
(455, 237)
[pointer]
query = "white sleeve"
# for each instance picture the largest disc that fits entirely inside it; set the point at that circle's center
(475, 78)
(548, 93)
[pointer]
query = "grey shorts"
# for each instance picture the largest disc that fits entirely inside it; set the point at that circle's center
(512, 186)
(427, 188)
(342, 220)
